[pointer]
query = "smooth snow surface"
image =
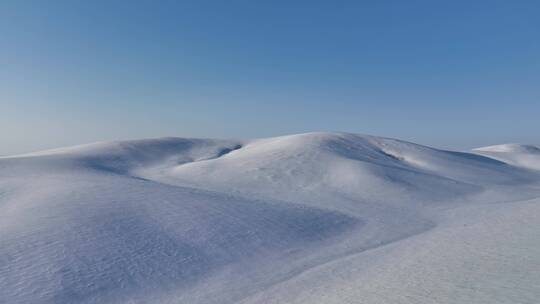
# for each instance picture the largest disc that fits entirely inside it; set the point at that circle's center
(527, 156)
(308, 218)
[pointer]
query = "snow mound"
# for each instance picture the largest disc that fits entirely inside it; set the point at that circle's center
(511, 148)
(361, 167)
(526, 156)
(75, 227)
(316, 217)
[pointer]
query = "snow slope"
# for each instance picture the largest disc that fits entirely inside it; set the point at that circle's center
(527, 156)
(307, 218)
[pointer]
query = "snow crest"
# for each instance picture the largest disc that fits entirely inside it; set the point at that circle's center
(307, 218)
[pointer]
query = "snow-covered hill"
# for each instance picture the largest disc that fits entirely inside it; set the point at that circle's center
(307, 218)
(527, 156)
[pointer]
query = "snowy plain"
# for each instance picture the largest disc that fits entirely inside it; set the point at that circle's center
(306, 218)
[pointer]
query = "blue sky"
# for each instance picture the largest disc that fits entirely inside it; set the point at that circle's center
(451, 74)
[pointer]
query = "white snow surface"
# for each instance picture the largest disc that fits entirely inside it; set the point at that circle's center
(306, 218)
(527, 156)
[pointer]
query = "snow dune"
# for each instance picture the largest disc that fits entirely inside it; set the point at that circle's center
(527, 156)
(307, 218)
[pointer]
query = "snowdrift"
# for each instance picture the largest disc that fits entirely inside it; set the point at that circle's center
(526, 156)
(307, 218)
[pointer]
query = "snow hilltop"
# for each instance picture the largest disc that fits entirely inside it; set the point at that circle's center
(306, 218)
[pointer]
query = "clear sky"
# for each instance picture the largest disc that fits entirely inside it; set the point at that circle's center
(451, 74)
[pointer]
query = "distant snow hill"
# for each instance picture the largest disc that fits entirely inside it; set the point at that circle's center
(527, 156)
(307, 218)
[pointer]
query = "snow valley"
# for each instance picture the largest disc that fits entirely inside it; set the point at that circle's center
(307, 218)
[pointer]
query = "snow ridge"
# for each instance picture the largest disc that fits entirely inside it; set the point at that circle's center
(307, 218)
